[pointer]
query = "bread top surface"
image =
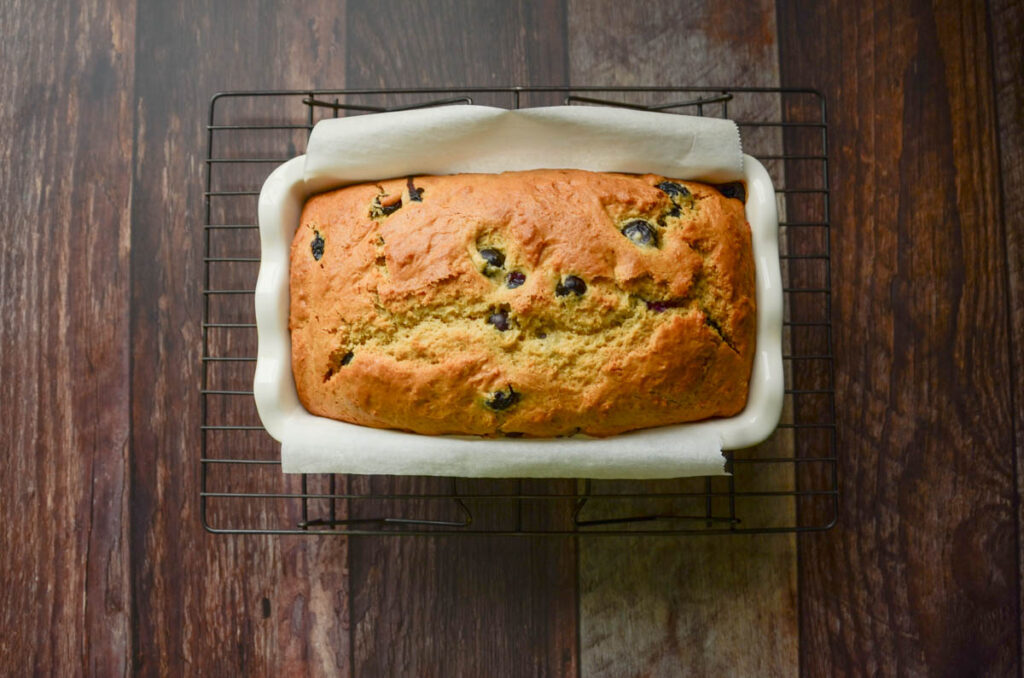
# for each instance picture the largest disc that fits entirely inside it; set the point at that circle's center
(539, 303)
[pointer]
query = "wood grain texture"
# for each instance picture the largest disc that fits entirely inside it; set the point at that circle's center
(706, 605)
(697, 606)
(459, 606)
(65, 141)
(463, 606)
(1006, 22)
(203, 604)
(920, 577)
(693, 43)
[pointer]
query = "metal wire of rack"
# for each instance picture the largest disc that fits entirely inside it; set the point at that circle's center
(787, 484)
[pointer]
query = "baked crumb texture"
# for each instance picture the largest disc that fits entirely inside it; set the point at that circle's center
(539, 303)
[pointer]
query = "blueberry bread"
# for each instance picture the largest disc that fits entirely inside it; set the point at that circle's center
(538, 303)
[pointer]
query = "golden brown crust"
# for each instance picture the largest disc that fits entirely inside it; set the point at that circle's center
(396, 324)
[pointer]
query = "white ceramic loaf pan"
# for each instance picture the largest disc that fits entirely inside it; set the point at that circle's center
(285, 419)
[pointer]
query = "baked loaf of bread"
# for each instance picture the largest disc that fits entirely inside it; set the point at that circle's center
(537, 303)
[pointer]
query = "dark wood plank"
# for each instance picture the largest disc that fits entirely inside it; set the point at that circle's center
(679, 594)
(1006, 22)
(205, 604)
(920, 577)
(467, 605)
(693, 43)
(65, 136)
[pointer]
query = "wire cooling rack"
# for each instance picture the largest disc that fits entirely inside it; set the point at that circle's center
(787, 484)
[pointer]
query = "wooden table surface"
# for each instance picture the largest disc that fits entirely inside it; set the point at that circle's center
(105, 568)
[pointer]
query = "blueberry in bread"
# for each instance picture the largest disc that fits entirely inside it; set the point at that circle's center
(537, 303)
